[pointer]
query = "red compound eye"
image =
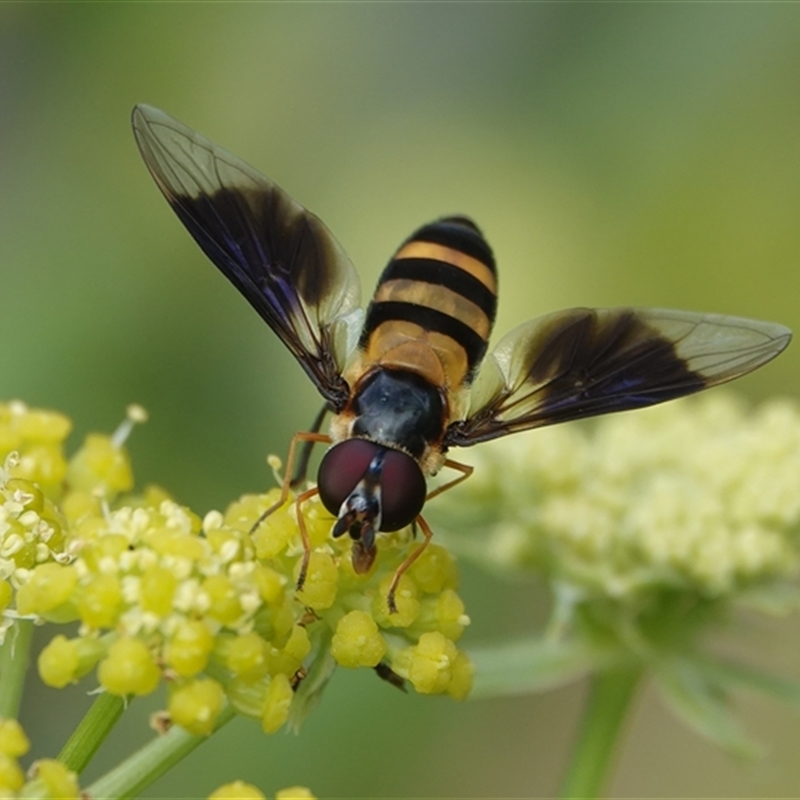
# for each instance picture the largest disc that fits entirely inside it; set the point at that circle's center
(403, 487)
(340, 470)
(403, 491)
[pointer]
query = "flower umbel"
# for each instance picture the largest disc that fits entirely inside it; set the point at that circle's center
(163, 595)
(648, 527)
(696, 495)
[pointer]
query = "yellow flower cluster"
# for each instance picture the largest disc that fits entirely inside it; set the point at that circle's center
(203, 604)
(49, 778)
(699, 495)
(46, 778)
(239, 790)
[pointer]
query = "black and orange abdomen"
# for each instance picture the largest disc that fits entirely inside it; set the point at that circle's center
(434, 305)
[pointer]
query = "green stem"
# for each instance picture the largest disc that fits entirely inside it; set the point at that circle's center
(92, 731)
(609, 699)
(14, 656)
(146, 765)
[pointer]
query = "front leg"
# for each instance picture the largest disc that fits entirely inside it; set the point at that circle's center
(302, 436)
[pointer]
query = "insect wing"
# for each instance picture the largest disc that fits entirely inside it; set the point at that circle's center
(280, 256)
(583, 362)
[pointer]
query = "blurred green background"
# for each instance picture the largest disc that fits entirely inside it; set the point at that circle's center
(614, 154)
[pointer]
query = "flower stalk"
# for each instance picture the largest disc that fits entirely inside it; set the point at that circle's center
(92, 731)
(14, 657)
(150, 762)
(610, 695)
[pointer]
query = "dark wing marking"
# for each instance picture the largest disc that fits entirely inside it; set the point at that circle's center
(280, 256)
(583, 362)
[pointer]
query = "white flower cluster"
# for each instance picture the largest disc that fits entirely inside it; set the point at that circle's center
(698, 494)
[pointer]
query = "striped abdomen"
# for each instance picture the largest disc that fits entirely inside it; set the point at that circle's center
(434, 305)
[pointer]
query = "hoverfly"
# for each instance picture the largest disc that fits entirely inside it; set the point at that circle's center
(410, 380)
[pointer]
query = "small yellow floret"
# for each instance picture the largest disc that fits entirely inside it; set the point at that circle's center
(43, 464)
(180, 543)
(406, 599)
(278, 701)
(298, 645)
(287, 660)
(357, 641)
(104, 549)
(319, 590)
(128, 669)
(100, 601)
(462, 674)
(188, 648)
(237, 790)
(13, 741)
(38, 425)
(431, 663)
(100, 466)
(273, 533)
(445, 613)
(246, 655)
(48, 587)
(294, 793)
(64, 661)
(157, 590)
(225, 606)
(6, 593)
(269, 582)
(12, 777)
(283, 617)
(56, 780)
(77, 505)
(58, 662)
(434, 570)
(196, 705)
(318, 522)
(27, 493)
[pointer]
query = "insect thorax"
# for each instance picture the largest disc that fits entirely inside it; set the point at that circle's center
(396, 408)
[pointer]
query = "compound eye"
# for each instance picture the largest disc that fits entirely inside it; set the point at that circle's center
(340, 470)
(403, 491)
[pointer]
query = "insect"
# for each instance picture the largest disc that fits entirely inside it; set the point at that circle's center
(410, 379)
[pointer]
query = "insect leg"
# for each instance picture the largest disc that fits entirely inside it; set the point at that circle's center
(428, 534)
(465, 469)
(305, 454)
(302, 436)
(301, 524)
